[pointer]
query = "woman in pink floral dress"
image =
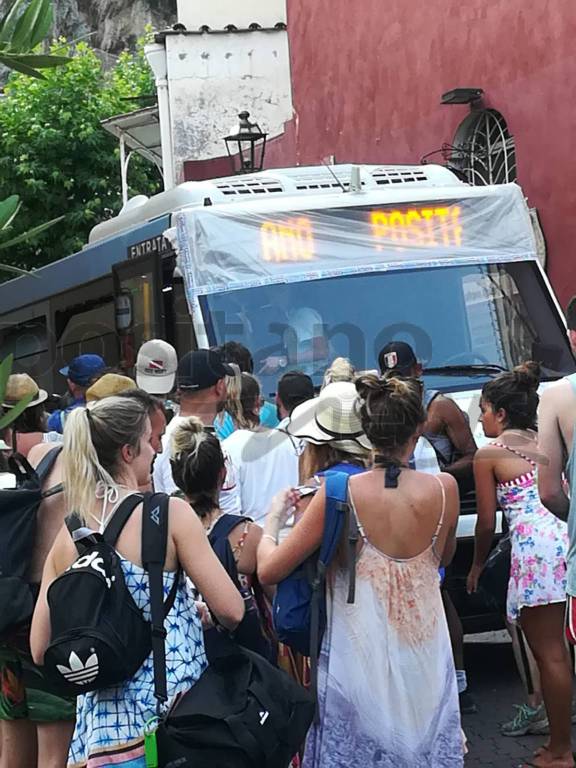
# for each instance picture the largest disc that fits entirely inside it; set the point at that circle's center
(506, 477)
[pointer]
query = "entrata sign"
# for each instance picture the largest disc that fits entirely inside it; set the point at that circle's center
(153, 245)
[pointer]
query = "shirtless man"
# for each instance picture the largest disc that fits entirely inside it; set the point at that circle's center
(557, 446)
(446, 427)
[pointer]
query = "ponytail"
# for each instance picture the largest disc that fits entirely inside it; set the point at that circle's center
(93, 439)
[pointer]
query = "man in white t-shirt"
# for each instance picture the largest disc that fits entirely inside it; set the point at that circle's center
(304, 344)
(265, 461)
(202, 389)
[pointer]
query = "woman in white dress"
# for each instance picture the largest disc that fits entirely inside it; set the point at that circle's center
(386, 679)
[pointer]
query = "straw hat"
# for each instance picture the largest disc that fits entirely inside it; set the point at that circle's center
(108, 385)
(332, 417)
(20, 385)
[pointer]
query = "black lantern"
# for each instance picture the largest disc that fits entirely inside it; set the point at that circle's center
(246, 145)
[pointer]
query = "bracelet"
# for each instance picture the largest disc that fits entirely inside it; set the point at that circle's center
(272, 538)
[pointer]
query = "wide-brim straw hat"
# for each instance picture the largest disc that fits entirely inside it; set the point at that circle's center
(18, 386)
(332, 417)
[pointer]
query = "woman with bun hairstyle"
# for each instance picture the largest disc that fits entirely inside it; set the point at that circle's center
(387, 690)
(106, 457)
(199, 471)
(505, 472)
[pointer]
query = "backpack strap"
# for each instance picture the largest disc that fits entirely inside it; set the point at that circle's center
(224, 526)
(21, 468)
(82, 536)
(46, 464)
(116, 524)
(154, 543)
(45, 467)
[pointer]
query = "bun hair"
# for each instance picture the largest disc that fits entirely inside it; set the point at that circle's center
(516, 393)
(340, 370)
(187, 436)
(197, 464)
(527, 376)
(391, 410)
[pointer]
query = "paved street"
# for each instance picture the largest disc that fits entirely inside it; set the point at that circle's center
(496, 687)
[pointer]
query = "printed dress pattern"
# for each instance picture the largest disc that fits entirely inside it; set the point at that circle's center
(386, 681)
(110, 723)
(539, 544)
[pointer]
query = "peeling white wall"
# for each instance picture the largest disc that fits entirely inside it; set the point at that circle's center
(217, 14)
(212, 77)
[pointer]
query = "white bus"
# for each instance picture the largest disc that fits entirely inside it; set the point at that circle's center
(302, 265)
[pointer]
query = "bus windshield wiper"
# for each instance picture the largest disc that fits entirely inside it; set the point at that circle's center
(480, 369)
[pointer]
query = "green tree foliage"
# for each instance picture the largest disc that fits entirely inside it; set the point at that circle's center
(57, 158)
(23, 27)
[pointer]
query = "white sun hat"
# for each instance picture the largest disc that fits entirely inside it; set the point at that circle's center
(332, 417)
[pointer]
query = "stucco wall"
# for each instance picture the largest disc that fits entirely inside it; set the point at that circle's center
(367, 77)
(213, 77)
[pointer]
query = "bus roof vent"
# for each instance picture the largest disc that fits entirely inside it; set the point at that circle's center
(322, 178)
(237, 186)
(409, 175)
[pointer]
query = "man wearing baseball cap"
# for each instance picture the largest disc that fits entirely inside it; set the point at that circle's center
(79, 374)
(446, 427)
(201, 383)
(156, 367)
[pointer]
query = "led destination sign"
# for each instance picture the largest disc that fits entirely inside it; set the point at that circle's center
(293, 239)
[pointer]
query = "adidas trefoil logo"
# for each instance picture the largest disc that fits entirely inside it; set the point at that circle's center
(79, 673)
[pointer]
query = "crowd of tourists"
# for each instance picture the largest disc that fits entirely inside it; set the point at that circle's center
(245, 492)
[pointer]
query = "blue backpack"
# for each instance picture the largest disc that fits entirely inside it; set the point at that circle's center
(300, 601)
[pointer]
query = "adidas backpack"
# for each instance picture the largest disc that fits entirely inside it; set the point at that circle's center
(18, 511)
(99, 637)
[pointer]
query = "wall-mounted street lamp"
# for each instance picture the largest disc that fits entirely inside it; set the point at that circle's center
(246, 145)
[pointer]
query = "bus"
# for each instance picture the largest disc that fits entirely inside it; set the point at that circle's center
(303, 265)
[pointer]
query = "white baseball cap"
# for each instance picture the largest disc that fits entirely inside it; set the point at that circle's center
(156, 367)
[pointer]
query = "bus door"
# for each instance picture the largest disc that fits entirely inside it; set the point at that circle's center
(138, 304)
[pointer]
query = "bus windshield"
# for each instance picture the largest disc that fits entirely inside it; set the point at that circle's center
(459, 319)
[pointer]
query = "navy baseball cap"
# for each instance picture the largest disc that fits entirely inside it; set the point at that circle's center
(397, 357)
(83, 369)
(201, 369)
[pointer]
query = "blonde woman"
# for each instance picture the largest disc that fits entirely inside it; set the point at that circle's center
(107, 456)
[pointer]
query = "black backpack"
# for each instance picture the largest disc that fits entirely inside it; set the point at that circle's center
(242, 712)
(18, 510)
(99, 636)
(250, 633)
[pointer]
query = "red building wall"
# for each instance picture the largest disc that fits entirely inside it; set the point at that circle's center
(367, 77)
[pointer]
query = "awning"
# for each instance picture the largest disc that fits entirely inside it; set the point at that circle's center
(140, 130)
